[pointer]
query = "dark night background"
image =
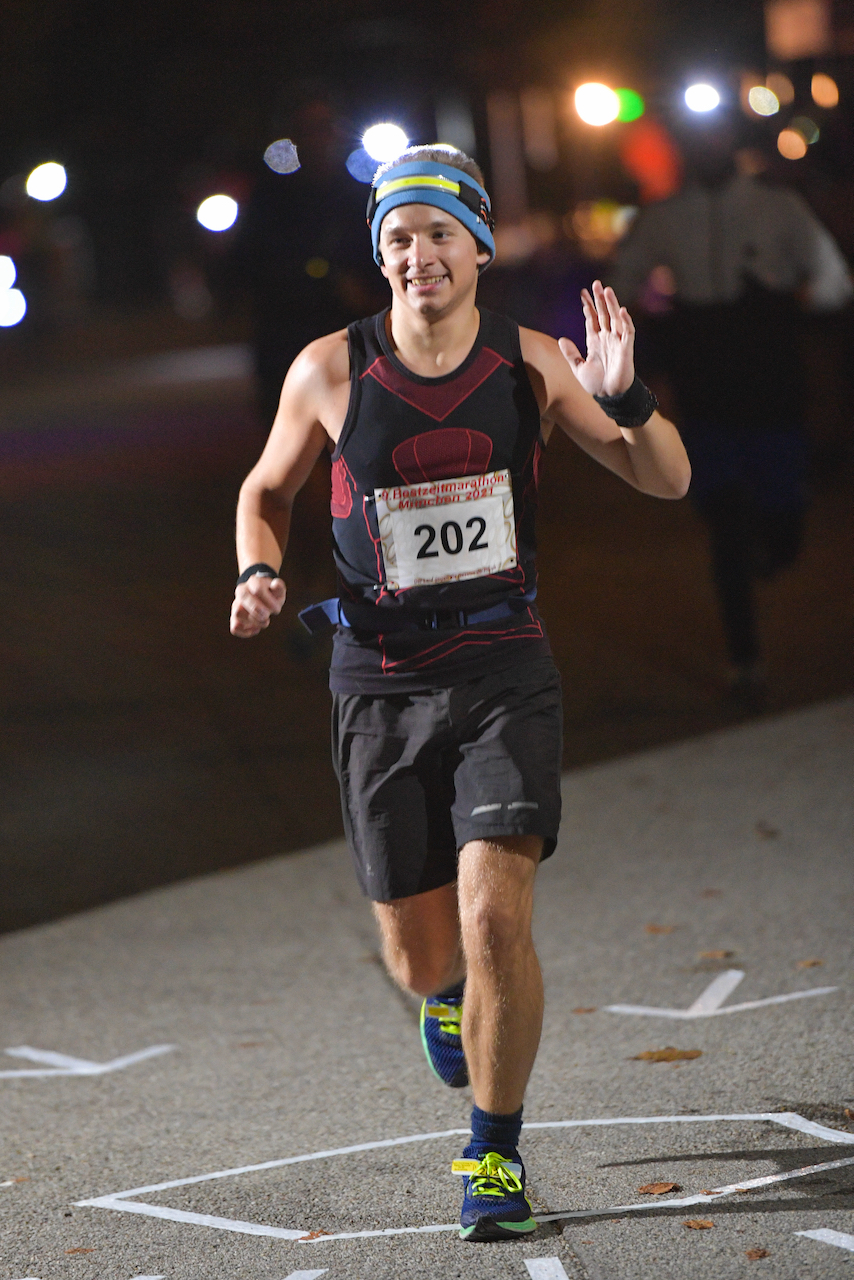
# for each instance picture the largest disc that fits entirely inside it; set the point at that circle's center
(140, 743)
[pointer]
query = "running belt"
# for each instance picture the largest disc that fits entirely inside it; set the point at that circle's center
(330, 613)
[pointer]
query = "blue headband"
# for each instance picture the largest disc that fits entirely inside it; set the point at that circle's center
(423, 182)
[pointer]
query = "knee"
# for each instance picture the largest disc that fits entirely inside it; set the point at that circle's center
(419, 970)
(493, 929)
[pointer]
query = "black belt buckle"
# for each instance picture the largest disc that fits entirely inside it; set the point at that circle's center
(442, 620)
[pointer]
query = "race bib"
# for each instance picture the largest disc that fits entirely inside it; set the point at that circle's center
(447, 530)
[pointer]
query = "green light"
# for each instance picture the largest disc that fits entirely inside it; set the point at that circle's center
(632, 105)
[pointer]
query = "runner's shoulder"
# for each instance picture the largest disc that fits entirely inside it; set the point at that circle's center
(324, 364)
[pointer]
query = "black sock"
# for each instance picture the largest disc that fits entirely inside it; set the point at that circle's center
(451, 993)
(491, 1132)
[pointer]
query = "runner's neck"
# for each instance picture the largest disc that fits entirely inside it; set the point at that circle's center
(432, 348)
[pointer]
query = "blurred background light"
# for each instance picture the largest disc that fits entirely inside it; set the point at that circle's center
(782, 86)
(47, 181)
(632, 105)
(384, 142)
(825, 92)
(217, 213)
(701, 97)
(791, 144)
(281, 156)
(763, 100)
(8, 272)
(13, 307)
(808, 129)
(360, 165)
(596, 104)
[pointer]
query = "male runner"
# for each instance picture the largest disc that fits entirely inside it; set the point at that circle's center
(446, 715)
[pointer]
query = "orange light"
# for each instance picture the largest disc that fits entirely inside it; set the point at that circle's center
(825, 92)
(791, 144)
(596, 104)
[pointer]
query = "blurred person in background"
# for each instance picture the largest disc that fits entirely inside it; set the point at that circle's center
(738, 258)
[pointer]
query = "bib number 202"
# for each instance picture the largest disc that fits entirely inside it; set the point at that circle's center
(452, 537)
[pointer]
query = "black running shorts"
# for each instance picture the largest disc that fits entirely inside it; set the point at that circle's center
(421, 774)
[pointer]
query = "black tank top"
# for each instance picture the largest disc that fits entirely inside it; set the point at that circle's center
(402, 429)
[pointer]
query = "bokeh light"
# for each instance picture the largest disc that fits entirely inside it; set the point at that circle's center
(281, 156)
(782, 86)
(8, 272)
(47, 181)
(218, 213)
(13, 307)
(632, 105)
(702, 97)
(384, 142)
(360, 165)
(808, 129)
(596, 104)
(825, 91)
(791, 144)
(763, 100)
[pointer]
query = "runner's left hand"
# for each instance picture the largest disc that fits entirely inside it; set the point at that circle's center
(610, 334)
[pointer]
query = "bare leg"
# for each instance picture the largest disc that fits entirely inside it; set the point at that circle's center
(503, 1008)
(421, 940)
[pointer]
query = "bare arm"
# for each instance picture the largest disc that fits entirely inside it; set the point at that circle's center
(311, 412)
(651, 458)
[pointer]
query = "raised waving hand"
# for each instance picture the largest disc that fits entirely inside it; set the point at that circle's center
(610, 335)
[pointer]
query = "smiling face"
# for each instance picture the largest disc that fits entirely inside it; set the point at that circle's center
(430, 259)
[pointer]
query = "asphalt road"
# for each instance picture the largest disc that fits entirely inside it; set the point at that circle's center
(726, 854)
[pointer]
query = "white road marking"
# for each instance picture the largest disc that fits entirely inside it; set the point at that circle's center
(826, 1236)
(306, 1275)
(60, 1064)
(120, 1200)
(708, 1003)
(545, 1269)
(149, 1278)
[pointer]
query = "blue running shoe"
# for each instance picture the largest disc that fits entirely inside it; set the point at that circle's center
(440, 1035)
(494, 1205)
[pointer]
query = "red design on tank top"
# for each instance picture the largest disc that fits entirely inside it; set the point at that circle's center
(343, 486)
(440, 455)
(440, 399)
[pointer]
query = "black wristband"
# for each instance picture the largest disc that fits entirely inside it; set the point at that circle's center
(263, 571)
(631, 408)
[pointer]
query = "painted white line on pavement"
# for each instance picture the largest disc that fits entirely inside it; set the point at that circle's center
(826, 1236)
(60, 1064)
(149, 1278)
(196, 1219)
(545, 1269)
(307, 1275)
(709, 1003)
(121, 1202)
(704, 1197)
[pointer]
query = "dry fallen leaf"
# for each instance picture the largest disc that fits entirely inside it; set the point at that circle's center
(591, 1009)
(20, 1179)
(698, 1224)
(766, 831)
(315, 1235)
(658, 1188)
(80, 1250)
(753, 1254)
(847, 1112)
(668, 1054)
(808, 964)
(660, 928)
(716, 955)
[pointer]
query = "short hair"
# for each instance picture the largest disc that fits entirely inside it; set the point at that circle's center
(436, 153)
